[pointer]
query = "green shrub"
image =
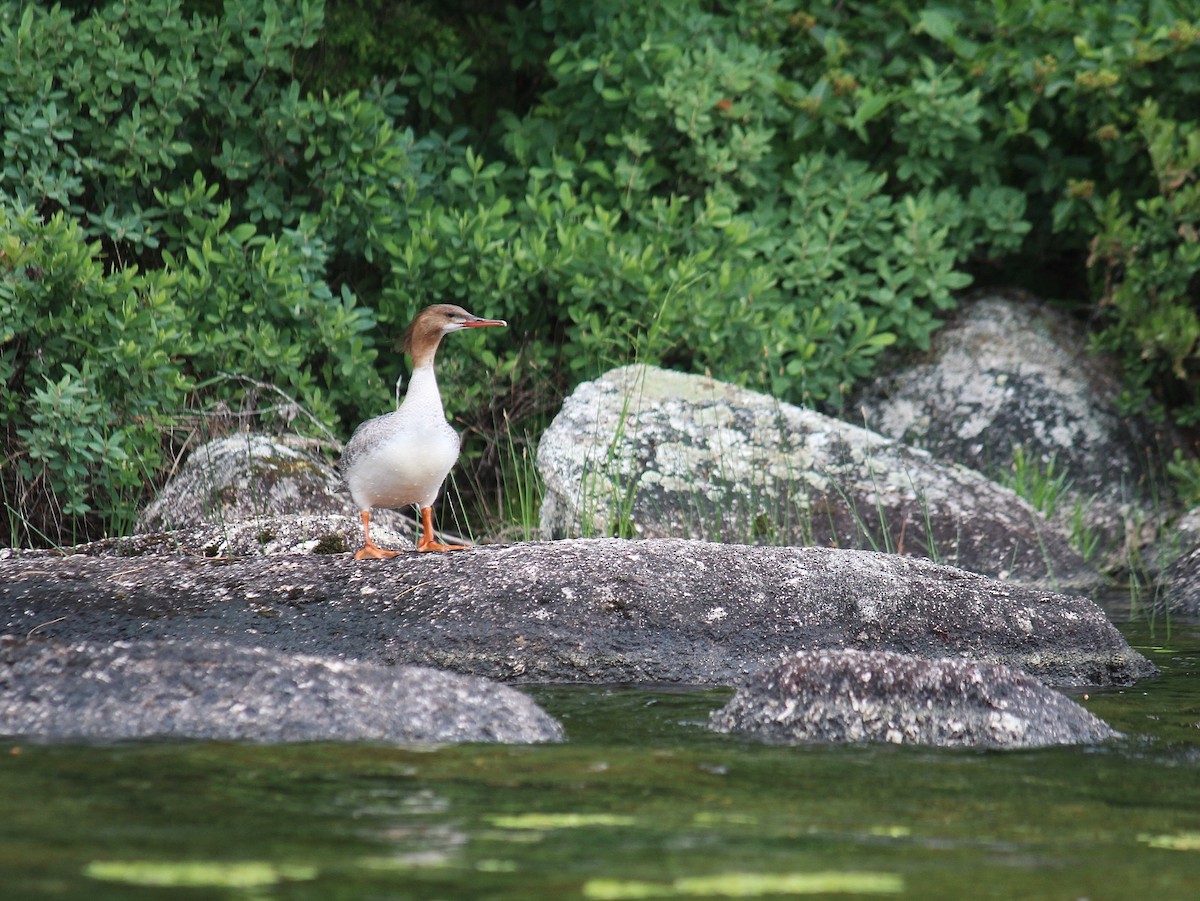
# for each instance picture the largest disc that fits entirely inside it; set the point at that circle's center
(174, 212)
(90, 361)
(1146, 263)
(247, 193)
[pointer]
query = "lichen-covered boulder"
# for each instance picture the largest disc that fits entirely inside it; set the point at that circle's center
(249, 476)
(216, 690)
(877, 696)
(243, 476)
(1008, 373)
(646, 452)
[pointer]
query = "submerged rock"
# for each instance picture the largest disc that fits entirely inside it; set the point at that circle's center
(603, 610)
(656, 454)
(222, 691)
(857, 696)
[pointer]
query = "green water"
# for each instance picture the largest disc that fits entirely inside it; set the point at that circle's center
(640, 802)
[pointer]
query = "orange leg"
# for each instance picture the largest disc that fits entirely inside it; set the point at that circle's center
(370, 550)
(427, 542)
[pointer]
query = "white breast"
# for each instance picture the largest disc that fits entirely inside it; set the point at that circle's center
(404, 457)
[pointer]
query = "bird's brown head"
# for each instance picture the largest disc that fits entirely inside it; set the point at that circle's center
(426, 330)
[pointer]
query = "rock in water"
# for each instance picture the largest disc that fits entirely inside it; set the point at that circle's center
(589, 610)
(214, 690)
(878, 696)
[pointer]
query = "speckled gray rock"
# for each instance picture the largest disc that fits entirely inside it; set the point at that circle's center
(661, 454)
(1009, 371)
(331, 533)
(216, 690)
(602, 610)
(248, 476)
(1182, 584)
(1187, 528)
(857, 696)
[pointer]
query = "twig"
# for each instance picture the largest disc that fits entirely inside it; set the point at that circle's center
(292, 403)
(410, 589)
(29, 634)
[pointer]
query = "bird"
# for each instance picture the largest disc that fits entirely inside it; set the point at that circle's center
(402, 458)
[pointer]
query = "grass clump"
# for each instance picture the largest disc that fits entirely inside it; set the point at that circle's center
(1047, 488)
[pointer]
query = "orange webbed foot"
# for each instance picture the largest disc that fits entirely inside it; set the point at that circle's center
(424, 545)
(374, 552)
(370, 550)
(427, 542)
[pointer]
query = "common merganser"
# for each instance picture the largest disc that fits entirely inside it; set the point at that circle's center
(402, 458)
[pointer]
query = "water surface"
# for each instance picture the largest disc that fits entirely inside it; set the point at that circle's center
(642, 801)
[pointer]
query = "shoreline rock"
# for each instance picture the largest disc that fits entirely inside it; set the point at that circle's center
(651, 453)
(249, 478)
(260, 536)
(1009, 373)
(597, 610)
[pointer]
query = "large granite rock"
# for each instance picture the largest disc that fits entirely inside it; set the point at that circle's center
(1009, 373)
(217, 690)
(248, 476)
(601, 610)
(240, 477)
(1174, 564)
(859, 696)
(642, 451)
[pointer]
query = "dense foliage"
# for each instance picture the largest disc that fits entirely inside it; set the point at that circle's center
(200, 199)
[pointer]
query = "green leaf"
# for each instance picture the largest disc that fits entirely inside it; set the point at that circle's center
(937, 23)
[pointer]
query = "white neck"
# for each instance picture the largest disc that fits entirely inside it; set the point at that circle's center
(423, 395)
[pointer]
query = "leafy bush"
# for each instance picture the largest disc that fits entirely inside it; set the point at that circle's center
(90, 363)
(1147, 269)
(215, 195)
(172, 212)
